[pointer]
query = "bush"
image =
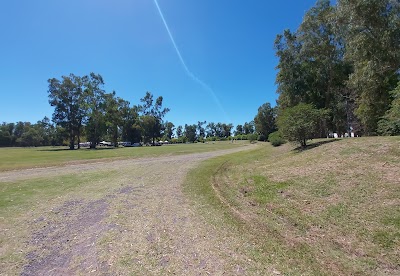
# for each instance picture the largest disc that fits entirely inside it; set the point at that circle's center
(261, 137)
(299, 123)
(276, 139)
(252, 137)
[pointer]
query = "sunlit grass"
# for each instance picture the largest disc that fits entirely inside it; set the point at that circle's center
(332, 209)
(20, 158)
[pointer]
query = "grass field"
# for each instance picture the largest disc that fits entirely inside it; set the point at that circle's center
(333, 209)
(46, 214)
(22, 158)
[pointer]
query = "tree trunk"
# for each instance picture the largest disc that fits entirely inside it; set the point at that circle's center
(93, 141)
(71, 139)
(304, 144)
(79, 136)
(115, 137)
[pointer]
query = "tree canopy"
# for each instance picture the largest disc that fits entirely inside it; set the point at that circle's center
(299, 123)
(344, 59)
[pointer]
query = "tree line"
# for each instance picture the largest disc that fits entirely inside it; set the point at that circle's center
(84, 111)
(339, 71)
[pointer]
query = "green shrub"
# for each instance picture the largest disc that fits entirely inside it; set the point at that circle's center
(276, 139)
(252, 137)
(262, 137)
(299, 123)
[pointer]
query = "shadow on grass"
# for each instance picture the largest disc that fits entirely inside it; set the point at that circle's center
(316, 144)
(67, 149)
(63, 149)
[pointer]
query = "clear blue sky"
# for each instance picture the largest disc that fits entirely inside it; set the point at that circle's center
(227, 44)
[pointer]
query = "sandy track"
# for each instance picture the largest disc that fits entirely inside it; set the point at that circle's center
(144, 226)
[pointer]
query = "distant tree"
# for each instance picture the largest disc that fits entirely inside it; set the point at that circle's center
(153, 109)
(30, 138)
(264, 121)
(248, 128)
(211, 129)
(5, 136)
(169, 130)
(67, 97)
(131, 129)
(46, 130)
(201, 132)
(299, 123)
(190, 132)
(151, 128)
(115, 111)
(226, 130)
(239, 130)
(95, 107)
(179, 131)
(19, 130)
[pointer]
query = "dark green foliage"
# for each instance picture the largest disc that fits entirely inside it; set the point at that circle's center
(276, 139)
(69, 103)
(248, 128)
(179, 131)
(344, 59)
(252, 137)
(201, 132)
(131, 129)
(239, 130)
(95, 99)
(151, 128)
(299, 123)
(220, 130)
(390, 123)
(371, 30)
(153, 114)
(262, 138)
(190, 133)
(168, 130)
(264, 121)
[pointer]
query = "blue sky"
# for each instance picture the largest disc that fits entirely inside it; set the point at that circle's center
(227, 44)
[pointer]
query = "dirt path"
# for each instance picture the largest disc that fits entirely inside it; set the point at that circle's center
(116, 164)
(144, 226)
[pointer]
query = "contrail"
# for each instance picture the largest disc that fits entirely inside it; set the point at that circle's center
(188, 72)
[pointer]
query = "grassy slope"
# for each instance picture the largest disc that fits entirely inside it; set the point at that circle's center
(21, 158)
(332, 209)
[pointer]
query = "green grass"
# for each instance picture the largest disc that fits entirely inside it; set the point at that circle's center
(21, 158)
(333, 209)
(18, 197)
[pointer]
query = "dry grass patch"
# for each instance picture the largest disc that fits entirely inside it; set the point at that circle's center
(332, 209)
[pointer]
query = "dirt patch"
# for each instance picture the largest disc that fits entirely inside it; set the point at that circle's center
(67, 237)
